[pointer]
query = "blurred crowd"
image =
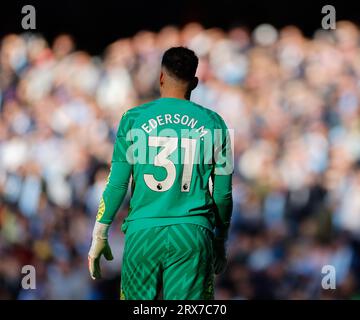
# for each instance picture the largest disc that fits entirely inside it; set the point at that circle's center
(293, 101)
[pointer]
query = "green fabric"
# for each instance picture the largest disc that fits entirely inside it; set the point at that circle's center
(172, 262)
(134, 226)
(164, 194)
(222, 195)
(114, 193)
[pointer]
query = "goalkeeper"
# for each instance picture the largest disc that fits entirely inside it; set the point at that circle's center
(176, 223)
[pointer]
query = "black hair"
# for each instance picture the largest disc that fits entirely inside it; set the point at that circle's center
(180, 62)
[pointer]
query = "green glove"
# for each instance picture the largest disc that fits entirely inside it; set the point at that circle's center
(99, 246)
(220, 259)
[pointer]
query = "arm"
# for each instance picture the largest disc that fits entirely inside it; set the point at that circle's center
(114, 193)
(222, 195)
(111, 200)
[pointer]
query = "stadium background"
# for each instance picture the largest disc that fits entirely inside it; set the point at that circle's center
(290, 90)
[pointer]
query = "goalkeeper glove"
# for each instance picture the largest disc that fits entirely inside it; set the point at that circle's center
(99, 246)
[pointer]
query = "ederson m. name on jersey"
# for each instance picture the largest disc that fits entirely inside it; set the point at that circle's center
(163, 119)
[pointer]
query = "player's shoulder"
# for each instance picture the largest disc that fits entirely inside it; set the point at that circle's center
(135, 111)
(212, 115)
(129, 117)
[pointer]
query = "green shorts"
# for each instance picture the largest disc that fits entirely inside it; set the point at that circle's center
(170, 262)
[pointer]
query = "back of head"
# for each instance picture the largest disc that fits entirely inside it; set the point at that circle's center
(181, 63)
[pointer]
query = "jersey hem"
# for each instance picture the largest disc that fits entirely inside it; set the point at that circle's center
(130, 227)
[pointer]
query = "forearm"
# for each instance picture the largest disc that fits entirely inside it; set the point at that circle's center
(114, 193)
(222, 195)
(111, 200)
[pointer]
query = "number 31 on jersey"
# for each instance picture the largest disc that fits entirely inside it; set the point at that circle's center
(170, 144)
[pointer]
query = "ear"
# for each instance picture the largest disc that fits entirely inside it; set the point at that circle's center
(161, 79)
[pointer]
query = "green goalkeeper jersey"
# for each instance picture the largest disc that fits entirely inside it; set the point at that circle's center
(172, 148)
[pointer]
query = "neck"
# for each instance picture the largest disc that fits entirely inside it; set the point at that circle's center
(174, 94)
